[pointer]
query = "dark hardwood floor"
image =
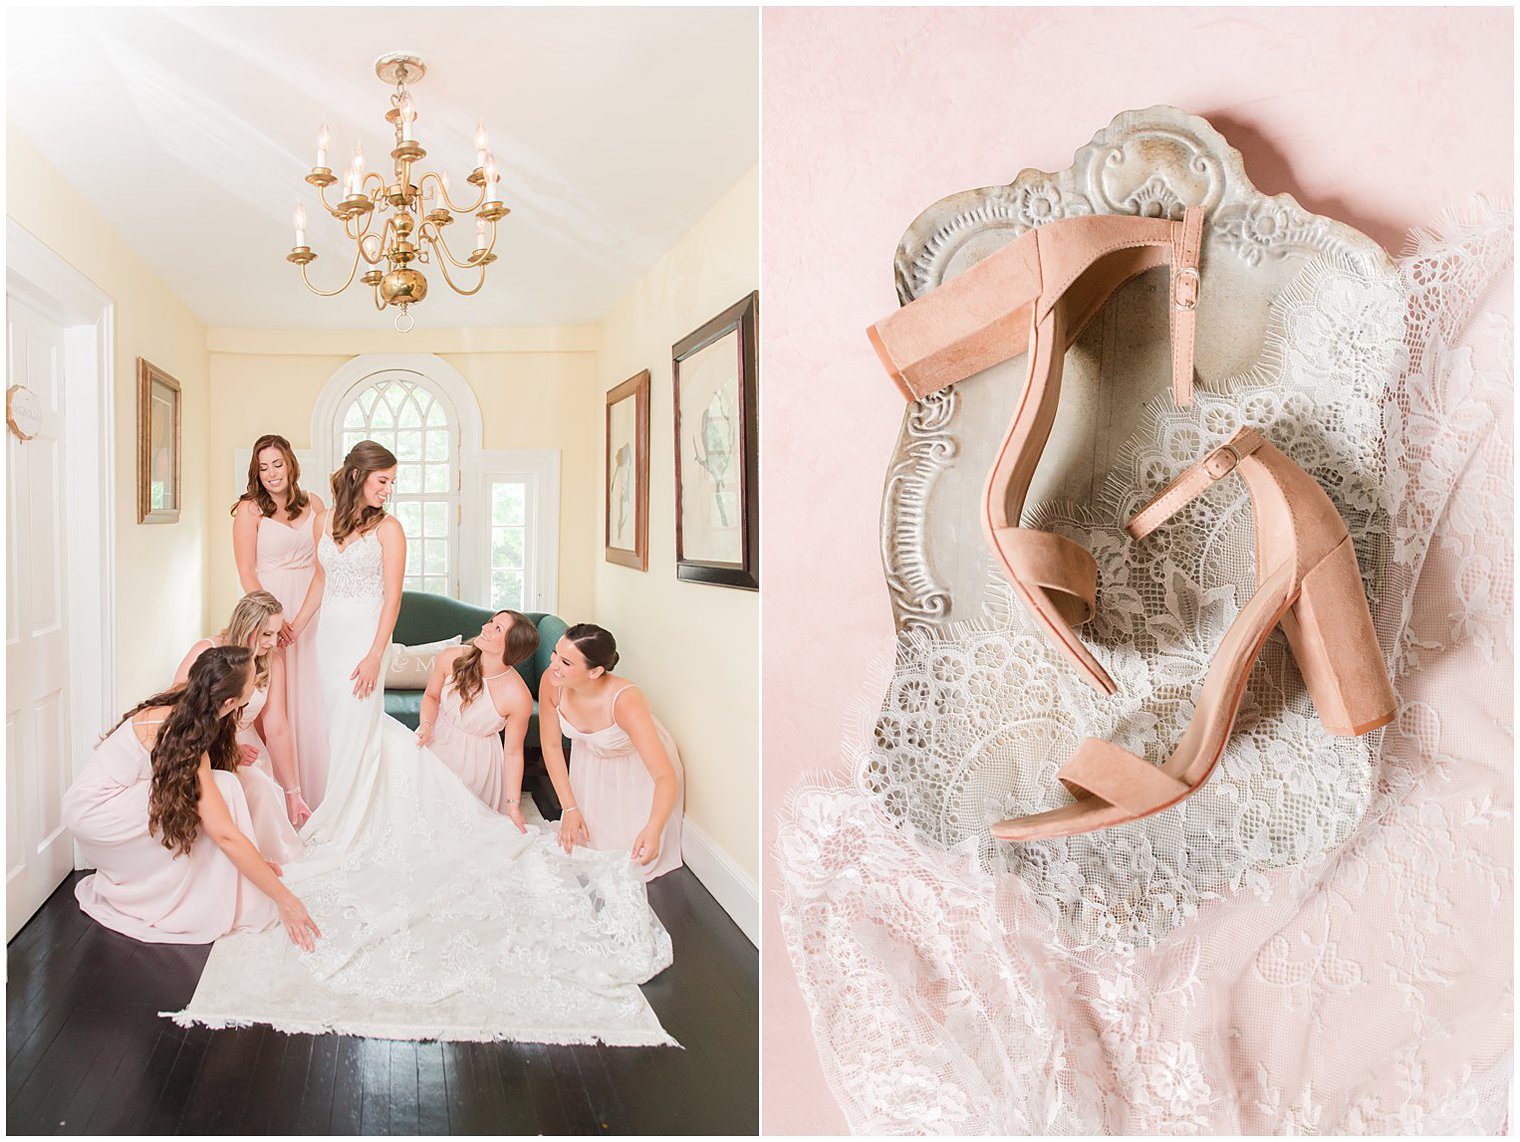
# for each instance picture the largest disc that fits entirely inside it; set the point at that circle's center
(86, 1052)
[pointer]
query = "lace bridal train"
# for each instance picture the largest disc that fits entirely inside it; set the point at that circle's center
(438, 918)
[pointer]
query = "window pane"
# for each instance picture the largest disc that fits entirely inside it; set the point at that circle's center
(411, 415)
(355, 417)
(435, 417)
(409, 478)
(408, 445)
(350, 439)
(409, 514)
(436, 586)
(515, 540)
(413, 559)
(435, 518)
(436, 478)
(508, 503)
(437, 557)
(367, 400)
(437, 444)
(507, 590)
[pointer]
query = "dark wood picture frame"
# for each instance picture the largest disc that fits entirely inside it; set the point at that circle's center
(152, 380)
(739, 321)
(636, 389)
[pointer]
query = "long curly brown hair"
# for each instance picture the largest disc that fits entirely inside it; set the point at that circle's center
(194, 727)
(259, 494)
(469, 669)
(348, 481)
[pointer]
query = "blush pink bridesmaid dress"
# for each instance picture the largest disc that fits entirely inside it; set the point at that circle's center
(286, 560)
(466, 739)
(140, 888)
(613, 789)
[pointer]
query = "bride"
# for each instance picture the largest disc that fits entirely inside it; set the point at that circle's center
(425, 897)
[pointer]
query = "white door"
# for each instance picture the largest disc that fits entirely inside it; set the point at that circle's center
(39, 739)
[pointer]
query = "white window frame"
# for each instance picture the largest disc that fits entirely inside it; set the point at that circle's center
(457, 397)
(538, 468)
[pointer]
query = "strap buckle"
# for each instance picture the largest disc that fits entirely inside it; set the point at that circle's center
(1185, 282)
(1221, 462)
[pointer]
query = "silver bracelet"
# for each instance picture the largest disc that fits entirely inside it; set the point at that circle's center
(570, 809)
(514, 800)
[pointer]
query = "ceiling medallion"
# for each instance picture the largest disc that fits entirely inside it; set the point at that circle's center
(415, 214)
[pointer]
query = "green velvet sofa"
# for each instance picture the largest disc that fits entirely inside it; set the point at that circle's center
(428, 618)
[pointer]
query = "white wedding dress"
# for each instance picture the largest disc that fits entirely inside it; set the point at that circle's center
(438, 918)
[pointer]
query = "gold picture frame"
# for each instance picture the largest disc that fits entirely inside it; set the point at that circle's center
(626, 487)
(158, 445)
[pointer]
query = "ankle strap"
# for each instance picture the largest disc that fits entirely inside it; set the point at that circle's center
(1194, 482)
(1187, 241)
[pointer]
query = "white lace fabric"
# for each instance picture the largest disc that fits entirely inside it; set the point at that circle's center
(353, 571)
(1319, 940)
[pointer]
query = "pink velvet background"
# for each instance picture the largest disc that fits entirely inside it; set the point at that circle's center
(1377, 117)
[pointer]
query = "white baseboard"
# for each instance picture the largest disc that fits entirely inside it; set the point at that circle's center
(731, 887)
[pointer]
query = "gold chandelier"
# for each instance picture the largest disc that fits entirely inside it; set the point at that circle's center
(414, 214)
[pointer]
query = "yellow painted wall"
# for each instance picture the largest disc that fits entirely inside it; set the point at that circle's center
(159, 567)
(693, 648)
(536, 389)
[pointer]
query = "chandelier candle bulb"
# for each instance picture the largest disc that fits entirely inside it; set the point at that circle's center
(300, 221)
(407, 115)
(493, 183)
(322, 140)
(482, 148)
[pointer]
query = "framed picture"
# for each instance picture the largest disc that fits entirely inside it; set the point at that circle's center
(627, 488)
(717, 438)
(158, 445)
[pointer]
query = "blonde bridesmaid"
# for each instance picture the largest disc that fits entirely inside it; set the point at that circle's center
(268, 769)
(164, 823)
(274, 540)
(624, 784)
(473, 696)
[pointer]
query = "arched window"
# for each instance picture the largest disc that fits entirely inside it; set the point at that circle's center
(481, 525)
(400, 410)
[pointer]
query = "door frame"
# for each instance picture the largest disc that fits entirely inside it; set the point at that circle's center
(39, 276)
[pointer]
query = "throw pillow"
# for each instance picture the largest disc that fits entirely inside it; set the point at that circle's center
(410, 666)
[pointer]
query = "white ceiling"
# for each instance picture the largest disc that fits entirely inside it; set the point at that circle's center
(191, 130)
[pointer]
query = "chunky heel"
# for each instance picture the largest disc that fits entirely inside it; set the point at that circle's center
(1034, 296)
(1316, 598)
(1330, 632)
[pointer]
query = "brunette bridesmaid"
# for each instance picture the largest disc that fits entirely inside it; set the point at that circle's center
(473, 696)
(274, 539)
(160, 817)
(268, 768)
(624, 786)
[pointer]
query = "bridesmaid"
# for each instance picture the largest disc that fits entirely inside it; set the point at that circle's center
(627, 773)
(160, 817)
(268, 771)
(465, 708)
(274, 540)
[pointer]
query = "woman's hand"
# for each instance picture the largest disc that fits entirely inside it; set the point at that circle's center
(296, 808)
(572, 830)
(287, 632)
(366, 675)
(425, 734)
(250, 753)
(514, 814)
(299, 925)
(646, 846)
